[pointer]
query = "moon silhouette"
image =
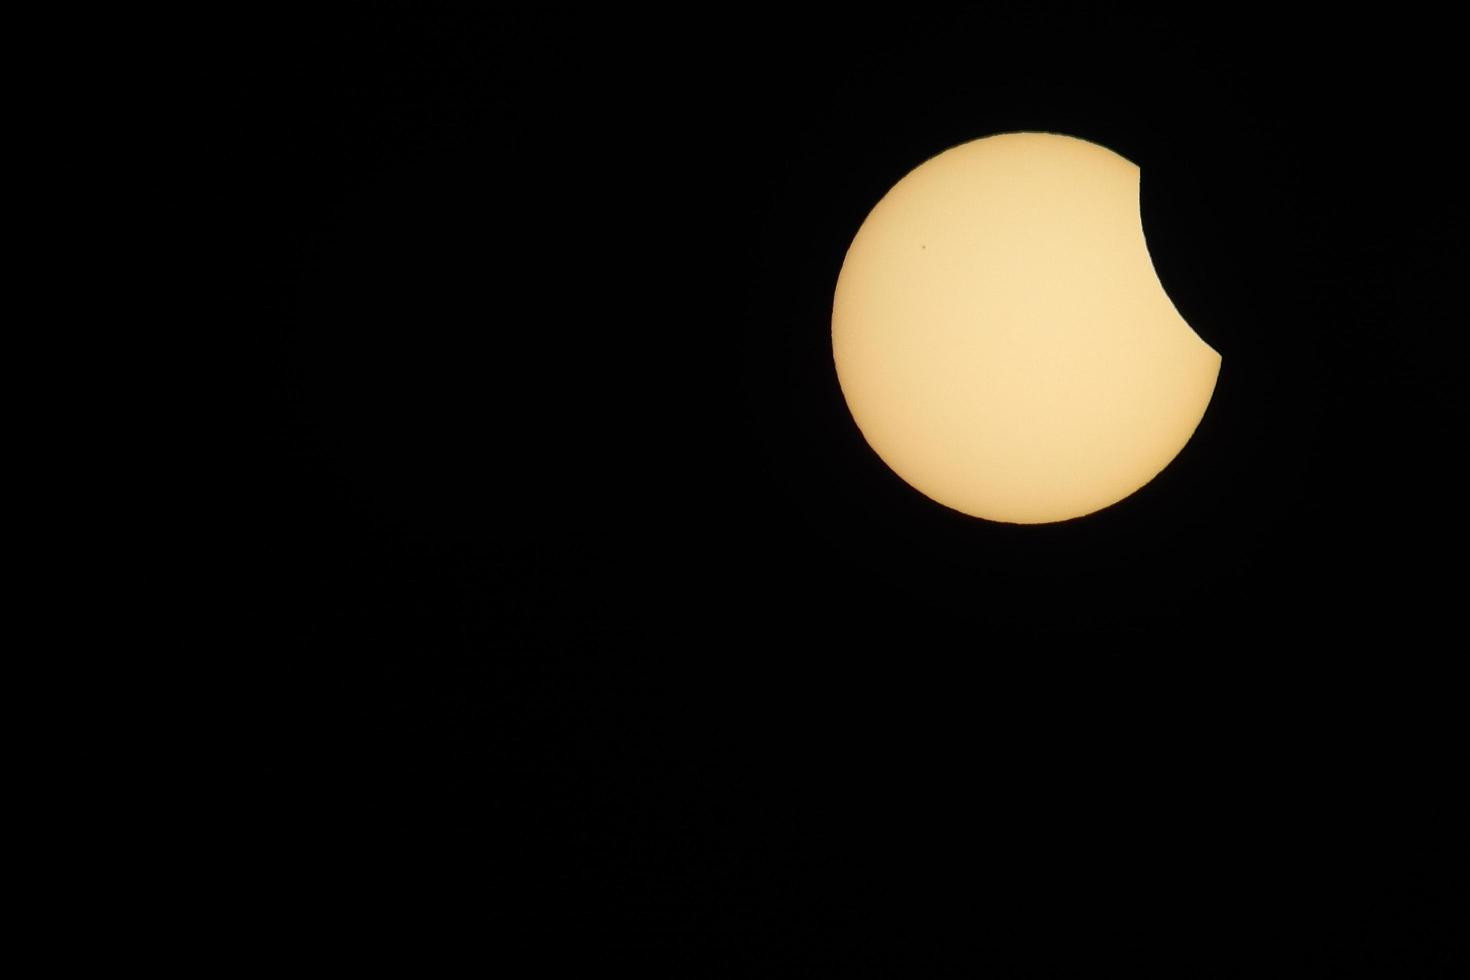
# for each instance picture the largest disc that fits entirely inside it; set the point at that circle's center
(1002, 339)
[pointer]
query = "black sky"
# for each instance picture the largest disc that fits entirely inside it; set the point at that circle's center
(569, 599)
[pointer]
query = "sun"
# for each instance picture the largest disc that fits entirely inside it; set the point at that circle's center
(1002, 339)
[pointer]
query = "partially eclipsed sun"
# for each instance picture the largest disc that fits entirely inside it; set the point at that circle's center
(1002, 339)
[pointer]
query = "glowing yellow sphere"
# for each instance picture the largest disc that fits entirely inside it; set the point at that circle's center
(1002, 339)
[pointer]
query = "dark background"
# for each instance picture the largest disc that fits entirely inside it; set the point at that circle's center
(566, 600)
